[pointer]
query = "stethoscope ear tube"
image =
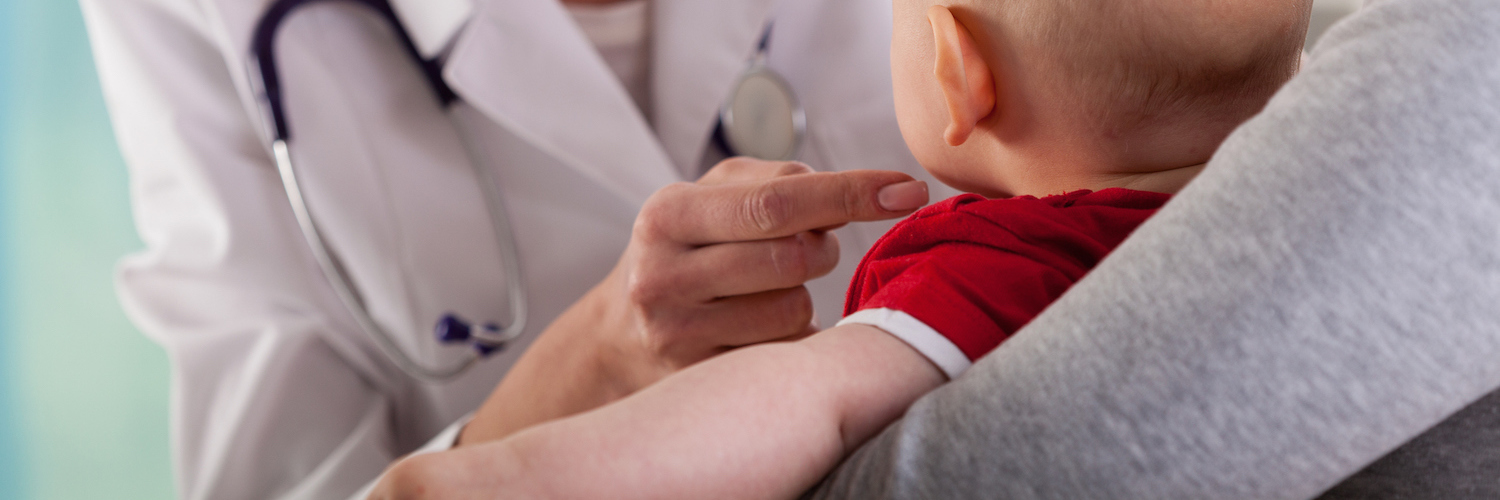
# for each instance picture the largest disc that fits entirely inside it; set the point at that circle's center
(491, 338)
(263, 48)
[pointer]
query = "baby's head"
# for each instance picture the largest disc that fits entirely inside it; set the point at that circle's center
(1006, 97)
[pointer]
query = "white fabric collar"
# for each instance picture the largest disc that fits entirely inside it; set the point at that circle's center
(433, 23)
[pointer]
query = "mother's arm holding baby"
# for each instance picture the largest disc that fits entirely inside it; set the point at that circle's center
(1321, 294)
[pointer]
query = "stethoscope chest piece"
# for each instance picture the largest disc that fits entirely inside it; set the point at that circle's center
(762, 117)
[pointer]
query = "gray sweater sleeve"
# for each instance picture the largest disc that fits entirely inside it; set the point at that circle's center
(1328, 289)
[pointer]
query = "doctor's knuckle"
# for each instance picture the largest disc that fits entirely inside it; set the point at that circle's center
(659, 212)
(797, 307)
(737, 164)
(854, 201)
(766, 210)
(647, 286)
(647, 221)
(791, 259)
(823, 253)
(793, 168)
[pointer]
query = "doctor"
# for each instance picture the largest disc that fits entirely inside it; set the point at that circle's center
(594, 123)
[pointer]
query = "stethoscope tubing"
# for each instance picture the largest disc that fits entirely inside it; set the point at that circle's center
(263, 52)
(484, 341)
(333, 274)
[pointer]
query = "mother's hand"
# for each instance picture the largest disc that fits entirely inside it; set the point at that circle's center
(711, 266)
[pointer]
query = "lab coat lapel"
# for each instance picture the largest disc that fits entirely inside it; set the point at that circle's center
(526, 65)
(701, 48)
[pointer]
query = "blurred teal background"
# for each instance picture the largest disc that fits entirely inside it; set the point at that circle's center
(83, 395)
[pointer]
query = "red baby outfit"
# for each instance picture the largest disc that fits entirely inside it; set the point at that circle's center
(957, 278)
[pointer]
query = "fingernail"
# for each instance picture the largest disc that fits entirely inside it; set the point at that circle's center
(903, 196)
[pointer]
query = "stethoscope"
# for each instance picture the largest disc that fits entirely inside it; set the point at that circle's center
(761, 118)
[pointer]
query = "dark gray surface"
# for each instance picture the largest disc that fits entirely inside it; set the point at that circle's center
(1326, 291)
(1459, 459)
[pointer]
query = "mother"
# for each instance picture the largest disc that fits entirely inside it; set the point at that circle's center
(1317, 313)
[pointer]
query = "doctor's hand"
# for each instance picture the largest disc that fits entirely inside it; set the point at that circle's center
(721, 263)
(711, 266)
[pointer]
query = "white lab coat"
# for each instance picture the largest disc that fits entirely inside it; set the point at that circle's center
(276, 393)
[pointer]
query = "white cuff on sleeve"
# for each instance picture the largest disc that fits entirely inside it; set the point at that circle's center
(443, 441)
(937, 348)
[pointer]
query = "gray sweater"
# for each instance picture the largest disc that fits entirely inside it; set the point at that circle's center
(1328, 290)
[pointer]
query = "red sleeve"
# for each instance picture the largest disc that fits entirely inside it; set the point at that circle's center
(977, 270)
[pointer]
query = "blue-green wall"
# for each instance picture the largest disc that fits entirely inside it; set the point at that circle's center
(83, 396)
(11, 473)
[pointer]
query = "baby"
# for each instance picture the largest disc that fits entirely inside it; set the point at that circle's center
(1101, 108)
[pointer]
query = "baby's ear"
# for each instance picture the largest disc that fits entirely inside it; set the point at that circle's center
(962, 74)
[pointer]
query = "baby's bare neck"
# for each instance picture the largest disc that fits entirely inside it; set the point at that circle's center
(1162, 158)
(1163, 181)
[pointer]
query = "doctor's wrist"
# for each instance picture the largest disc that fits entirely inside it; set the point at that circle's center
(623, 355)
(583, 360)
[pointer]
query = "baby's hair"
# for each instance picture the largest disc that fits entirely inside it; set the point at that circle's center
(1130, 63)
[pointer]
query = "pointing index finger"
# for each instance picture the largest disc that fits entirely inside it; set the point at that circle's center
(783, 206)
